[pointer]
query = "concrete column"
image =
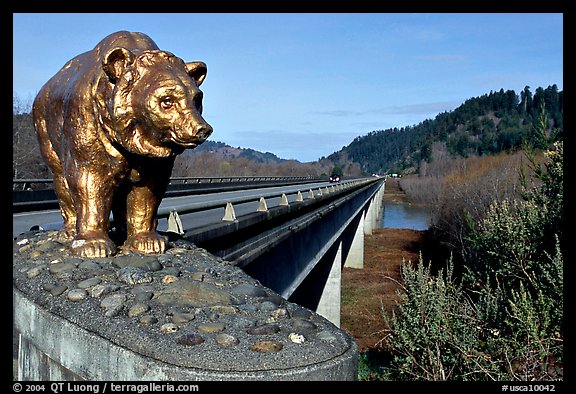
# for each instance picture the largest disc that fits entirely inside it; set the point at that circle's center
(329, 304)
(369, 218)
(373, 213)
(355, 258)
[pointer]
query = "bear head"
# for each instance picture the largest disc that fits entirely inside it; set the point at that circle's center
(156, 108)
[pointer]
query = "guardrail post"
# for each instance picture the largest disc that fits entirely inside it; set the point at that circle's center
(229, 214)
(262, 207)
(174, 223)
(310, 194)
(299, 197)
(284, 200)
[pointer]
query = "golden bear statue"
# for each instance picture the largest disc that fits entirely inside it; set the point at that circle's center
(110, 124)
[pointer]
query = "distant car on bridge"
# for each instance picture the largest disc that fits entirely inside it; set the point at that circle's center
(334, 178)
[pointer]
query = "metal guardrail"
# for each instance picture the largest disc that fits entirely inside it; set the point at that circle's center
(188, 179)
(229, 214)
(40, 199)
(246, 178)
(304, 195)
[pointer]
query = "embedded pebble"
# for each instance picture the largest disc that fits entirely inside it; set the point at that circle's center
(266, 346)
(302, 324)
(179, 318)
(102, 290)
(296, 338)
(89, 265)
(242, 323)
(326, 336)
(147, 263)
(267, 306)
(22, 241)
(133, 275)
(169, 279)
(245, 289)
(300, 312)
(143, 296)
(61, 267)
(34, 254)
(138, 309)
(58, 290)
(176, 251)
(25, 248)
(173, 271)
(114, 310)
(276, 299)
(113, 300)
(85, 284)
(249, 308)
(230, 310)
(77, 295)
(224, 339)
(210, 328)
(265, 329)
(147, 320)
(190, 340)
(201, 276)
(35, 271)
(168, 328)
(48, 245)
(280, 312)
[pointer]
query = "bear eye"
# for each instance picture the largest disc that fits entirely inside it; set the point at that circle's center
(198, 101)
(166, 103)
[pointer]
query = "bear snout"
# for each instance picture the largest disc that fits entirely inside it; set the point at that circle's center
(203, 132)
(192, 136)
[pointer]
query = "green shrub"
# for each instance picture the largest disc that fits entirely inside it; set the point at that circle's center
(435, 329)
(504, 319)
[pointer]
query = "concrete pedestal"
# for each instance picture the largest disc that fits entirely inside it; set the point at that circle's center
(183, 315)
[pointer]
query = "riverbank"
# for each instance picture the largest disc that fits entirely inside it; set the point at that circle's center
(367, 292)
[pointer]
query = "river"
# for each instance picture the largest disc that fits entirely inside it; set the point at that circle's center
(403, 215)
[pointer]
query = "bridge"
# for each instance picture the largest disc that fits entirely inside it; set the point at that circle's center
(293, 234)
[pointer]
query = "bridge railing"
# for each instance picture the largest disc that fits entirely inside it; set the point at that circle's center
(302, 194)
(25, 199)
(24, 184)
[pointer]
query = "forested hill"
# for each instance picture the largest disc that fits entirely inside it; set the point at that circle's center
(494, 122)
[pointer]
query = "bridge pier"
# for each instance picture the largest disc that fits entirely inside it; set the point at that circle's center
(329, 303)
(355, 256)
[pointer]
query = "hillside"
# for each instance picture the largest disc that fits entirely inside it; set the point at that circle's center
(225, 151)
(495, 122)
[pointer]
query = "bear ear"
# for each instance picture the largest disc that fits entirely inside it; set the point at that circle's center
(197, 71)
(116, 61)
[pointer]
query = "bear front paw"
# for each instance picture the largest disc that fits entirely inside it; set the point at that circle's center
(93, 247)
(148, 242)
(66, 234)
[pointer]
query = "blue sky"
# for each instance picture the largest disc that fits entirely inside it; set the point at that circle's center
(302, 86)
